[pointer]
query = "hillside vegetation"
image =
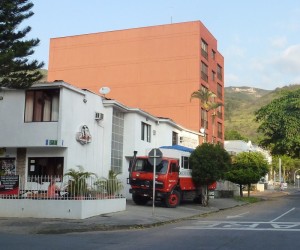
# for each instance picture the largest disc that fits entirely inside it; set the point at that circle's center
(241, 104)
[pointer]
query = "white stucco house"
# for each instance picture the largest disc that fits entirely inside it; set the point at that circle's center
(54, 126)
(237, 146)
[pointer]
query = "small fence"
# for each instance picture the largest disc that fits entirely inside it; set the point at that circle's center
(61, 188)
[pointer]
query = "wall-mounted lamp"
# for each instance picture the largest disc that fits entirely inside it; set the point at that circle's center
(85, 100)
(1, 98)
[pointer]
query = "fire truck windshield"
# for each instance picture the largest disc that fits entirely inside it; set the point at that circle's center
(143, 165)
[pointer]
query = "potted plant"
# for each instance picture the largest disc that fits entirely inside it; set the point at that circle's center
(109, 187)
(77, 185)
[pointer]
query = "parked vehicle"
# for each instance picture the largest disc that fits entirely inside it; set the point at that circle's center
(173, 180)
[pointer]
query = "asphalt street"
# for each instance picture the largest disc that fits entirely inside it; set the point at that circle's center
(134, 217)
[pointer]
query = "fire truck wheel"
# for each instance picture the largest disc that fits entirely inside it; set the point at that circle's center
(173, 199)
(140, 200)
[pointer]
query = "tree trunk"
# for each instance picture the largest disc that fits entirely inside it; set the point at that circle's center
(204, 195)
(241, 190)
(249, 187)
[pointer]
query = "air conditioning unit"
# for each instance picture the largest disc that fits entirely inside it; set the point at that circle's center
(99, 116)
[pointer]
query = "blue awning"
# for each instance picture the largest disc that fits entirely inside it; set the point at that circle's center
(179, 147)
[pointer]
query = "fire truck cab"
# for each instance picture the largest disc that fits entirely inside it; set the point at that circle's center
(173, 180)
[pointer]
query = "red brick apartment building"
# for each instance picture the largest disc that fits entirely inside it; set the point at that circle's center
(154, 68)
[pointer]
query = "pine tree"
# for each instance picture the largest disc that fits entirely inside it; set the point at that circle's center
(16, 69)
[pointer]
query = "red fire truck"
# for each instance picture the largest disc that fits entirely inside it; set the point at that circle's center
(173, 180)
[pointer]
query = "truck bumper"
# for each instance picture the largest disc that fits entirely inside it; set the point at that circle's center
(148, 193)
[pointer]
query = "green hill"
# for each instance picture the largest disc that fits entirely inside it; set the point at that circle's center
(242, 102)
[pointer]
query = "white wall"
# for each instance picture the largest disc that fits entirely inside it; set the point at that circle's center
(64, 209)
(73, 113)
(14, 132)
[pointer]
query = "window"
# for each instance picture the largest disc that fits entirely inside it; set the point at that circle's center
(185, 162)
(204, 49)
(146, 132)
(174, 167)
(45, 167)
(213, 54)
(117, 141)
(220, 132)
(41, 105)
(219, 112)
(174, 138)
(204, 121)
(143, 165)
(204, 71)
(219, 91)
(213, 76)
(219, 72)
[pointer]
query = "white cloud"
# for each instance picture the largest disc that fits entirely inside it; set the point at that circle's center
(289, 60)
(235, 50)
(232, 79)
(258, 65)
(279, 42)
(279, 69)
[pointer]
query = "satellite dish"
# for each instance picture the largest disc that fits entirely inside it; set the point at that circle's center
(104, 90)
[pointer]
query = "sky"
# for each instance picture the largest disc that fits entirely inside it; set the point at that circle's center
(259, 39)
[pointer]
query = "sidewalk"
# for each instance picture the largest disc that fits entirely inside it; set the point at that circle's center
(134, 217)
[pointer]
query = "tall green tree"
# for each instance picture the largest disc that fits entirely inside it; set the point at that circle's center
(207, 99)
(288, 167)
(209, 163)
(16, 69)
(247, 168)
(280, 124)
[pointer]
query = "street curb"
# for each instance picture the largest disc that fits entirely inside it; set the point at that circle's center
(103, 228)
(144, 221)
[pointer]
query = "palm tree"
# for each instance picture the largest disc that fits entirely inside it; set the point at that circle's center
(77, 184)
(207, 99)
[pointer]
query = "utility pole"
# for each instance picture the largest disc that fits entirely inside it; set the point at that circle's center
(279, 170)
(280, 173)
